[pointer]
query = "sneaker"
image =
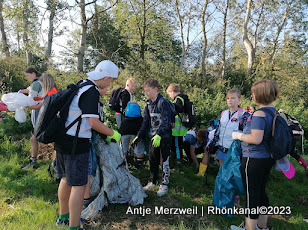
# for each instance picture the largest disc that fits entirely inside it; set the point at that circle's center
(163, 189)
(62, 222)
(258, 228)
(86, 202)
(234, 227)
(32, 163)
(148, 186)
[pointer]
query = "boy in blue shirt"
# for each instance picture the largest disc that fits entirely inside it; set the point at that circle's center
(157, 124)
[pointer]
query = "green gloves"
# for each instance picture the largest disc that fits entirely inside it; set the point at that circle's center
(116, 136)
(108, 140)
(156, 140)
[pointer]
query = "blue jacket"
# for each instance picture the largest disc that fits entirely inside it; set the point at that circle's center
(156, 120)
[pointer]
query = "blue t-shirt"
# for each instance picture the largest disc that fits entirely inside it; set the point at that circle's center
(260, 123)
(191, 138)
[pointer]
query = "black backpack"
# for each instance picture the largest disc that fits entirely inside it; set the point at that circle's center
(295, 126)
(114, 101)
(50, 124)
(188, 116)
(282, 141)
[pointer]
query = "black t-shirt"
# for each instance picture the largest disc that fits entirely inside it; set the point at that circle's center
(130, 125)
(89, 102)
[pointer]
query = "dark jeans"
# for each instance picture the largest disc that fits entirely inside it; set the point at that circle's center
(255, 174)
(163, 151)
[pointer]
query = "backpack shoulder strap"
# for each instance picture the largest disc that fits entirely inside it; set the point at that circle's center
(182, 99)
(274, 115)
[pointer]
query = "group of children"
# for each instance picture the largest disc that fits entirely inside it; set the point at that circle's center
(157, 128)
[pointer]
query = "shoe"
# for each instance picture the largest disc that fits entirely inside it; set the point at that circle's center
(62, 222)
(32, 163)
(163, 189)
(258, 228)
(87, 202)
(234, 227)
(202, 170)
(148, 186)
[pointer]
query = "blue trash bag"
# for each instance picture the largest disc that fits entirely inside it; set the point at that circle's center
(229, 181)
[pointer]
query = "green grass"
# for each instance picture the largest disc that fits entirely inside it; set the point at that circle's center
(28, 199)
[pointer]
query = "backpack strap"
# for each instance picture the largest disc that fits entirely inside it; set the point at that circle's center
(182, 99)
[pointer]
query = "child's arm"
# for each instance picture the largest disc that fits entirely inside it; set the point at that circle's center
(36, 107)
(26, 91)
(256, 135)
(100, 127)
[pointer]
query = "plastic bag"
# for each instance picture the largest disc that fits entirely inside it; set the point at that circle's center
(17, 102)
(20, 115)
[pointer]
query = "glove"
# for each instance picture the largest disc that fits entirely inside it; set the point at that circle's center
(237, 135)
(108, 140)
(156, 140)
(116, 136)
(135, 141)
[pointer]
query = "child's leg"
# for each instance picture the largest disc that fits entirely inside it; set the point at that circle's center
(221, 157)
(87, 189)
(64, 192)
(165, 147)
(154, 163)
(34, 147)
(75, 204)
(125, 140)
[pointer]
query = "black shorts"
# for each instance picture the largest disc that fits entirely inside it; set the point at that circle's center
(74, 167)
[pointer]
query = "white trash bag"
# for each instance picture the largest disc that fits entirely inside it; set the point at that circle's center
(20, 115)
(17, 102)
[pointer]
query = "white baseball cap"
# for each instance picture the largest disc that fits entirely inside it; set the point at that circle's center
(104, 69)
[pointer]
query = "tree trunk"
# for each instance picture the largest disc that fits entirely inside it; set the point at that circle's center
(203, 23)
(82, 48)
(5, 45)
(248, 45)
(280, 27)
(223, 66)
(182, 34)
(143, 32)
(52, 8)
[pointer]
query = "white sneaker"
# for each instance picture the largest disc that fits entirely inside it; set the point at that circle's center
(148, 186)
(163, 189)
(233, 227)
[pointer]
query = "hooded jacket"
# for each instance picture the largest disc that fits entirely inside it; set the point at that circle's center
(156, 120)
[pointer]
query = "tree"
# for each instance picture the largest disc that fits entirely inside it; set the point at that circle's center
(5, 45)
(84, 23)
(248, 45)
(105, 42)
(204, 47)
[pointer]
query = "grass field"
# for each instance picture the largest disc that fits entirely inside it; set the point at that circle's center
(28, 199)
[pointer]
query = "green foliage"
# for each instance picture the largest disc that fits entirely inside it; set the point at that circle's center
(105, 42)
(11, 71)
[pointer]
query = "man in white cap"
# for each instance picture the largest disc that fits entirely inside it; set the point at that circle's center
(73, 168)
